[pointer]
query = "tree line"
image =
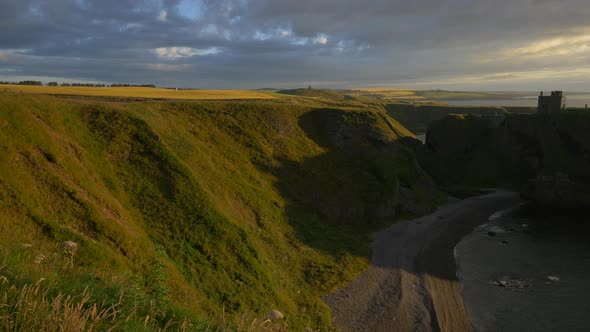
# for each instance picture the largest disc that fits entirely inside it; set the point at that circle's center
(94, 85)
(24, 83)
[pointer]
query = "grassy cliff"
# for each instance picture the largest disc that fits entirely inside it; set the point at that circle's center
(192, 215)
(469, 151)
(418, 118)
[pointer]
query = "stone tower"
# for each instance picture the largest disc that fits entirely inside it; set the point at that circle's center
(550, 104)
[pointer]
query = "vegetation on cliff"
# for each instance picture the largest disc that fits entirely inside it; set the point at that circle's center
(418, 118)
(192, 215)
(548, 149)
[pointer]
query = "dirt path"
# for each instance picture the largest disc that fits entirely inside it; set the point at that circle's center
(411, 284)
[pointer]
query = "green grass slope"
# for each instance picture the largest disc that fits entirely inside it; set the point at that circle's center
(192, 215)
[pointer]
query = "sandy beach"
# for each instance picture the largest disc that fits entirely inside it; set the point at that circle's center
(412, 283)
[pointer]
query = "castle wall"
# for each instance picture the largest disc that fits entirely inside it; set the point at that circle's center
(550, 104)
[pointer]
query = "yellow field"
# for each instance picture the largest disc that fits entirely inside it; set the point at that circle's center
(137, 92)
(388, 90)
(390, 93)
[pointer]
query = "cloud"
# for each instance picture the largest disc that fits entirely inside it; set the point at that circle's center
(320, 39)
(252, 43)
(163, 16)
(166, 67)
(191, 9)
(559, 46)
(183, 52)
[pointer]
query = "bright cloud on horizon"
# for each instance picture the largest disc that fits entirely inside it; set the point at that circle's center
(560, 46)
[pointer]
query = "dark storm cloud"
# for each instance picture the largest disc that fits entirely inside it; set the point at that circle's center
(251, 43)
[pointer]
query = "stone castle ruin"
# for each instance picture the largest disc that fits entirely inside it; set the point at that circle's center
(551, 104)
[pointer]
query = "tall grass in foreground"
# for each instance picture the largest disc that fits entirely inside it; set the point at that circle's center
(63, 298)
(42, 290)
(32, 308)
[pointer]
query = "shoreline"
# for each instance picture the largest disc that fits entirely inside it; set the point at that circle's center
(411, 284)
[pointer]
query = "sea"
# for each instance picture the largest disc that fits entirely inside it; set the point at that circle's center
(577, 101)
(526, 271)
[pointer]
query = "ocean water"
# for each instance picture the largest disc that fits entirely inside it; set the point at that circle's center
(531, 101)
(523, 272)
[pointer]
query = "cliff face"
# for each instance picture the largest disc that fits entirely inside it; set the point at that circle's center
(381, 169)
(418, 118)
(549, 154)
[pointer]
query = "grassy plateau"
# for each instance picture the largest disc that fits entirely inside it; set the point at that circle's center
(137, 92)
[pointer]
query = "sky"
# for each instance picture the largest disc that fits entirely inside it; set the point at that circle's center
(499, 45)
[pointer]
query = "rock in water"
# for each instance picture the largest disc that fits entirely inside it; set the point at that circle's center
(274, 315)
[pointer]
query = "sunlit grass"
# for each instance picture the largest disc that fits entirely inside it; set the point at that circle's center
(138, 92)
(389, 94)
(193, 209)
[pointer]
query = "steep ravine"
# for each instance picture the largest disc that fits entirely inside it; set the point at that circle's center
(207, 211)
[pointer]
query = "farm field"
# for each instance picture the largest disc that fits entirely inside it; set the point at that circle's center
(389, 94)
(434, 96)
(137, 92)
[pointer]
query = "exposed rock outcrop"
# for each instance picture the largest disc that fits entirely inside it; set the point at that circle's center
(274, 315)
(558, 191)
(384, 170)
(547, 156)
